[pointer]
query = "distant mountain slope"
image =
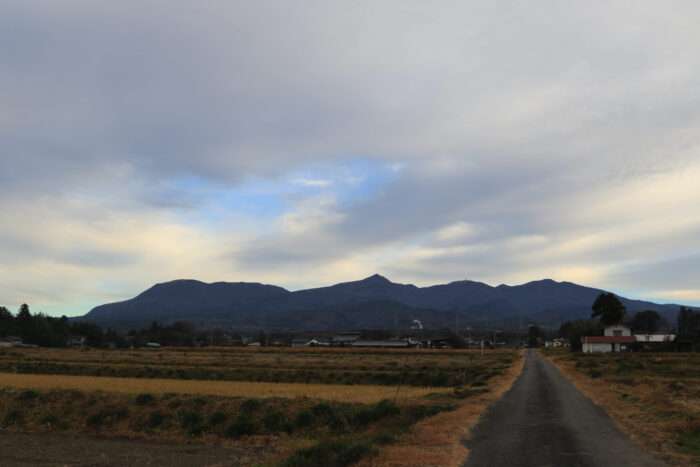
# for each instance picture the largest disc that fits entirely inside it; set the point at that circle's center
(368, 303)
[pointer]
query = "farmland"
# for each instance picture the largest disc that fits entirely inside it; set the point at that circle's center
(310, 405)
(283, 365)
(655, 397)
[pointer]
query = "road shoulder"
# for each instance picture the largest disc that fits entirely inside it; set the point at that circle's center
(439, 440)
(627, 418)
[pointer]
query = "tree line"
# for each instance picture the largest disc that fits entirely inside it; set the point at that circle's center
(608, 310)
(48, 331)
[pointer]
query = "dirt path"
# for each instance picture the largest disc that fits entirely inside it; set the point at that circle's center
(19, 449)
(545, 421)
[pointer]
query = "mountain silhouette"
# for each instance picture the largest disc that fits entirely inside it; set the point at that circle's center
(371, 303)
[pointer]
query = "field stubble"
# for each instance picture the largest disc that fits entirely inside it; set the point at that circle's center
(307, 423)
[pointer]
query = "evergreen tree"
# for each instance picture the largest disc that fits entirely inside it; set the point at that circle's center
(608, 308)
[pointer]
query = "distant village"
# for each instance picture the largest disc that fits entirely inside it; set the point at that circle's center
(609, 333)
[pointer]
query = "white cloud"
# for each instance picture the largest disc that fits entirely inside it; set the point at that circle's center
(311, 182)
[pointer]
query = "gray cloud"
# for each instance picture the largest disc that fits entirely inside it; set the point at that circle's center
(518, 120)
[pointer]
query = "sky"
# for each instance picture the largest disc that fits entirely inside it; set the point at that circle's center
(306, 143)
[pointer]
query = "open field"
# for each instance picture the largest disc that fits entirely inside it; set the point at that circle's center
(335, 392)
(276, 365)
(285, 423)
(655, 397)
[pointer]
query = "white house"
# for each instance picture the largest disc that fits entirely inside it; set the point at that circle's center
(615, 338)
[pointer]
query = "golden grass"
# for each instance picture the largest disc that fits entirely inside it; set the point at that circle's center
(639, 406)
(340, 393)
(438, 440)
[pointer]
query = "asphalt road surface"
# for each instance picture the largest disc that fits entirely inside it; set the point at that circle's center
(543, 420)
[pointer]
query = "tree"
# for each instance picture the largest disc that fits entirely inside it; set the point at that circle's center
(24, 322)
(608, 308)
(565, 329)
(689, 324)
(534, 333)
(647, 322)
(580, 328)
(92, 332)
(7, 322)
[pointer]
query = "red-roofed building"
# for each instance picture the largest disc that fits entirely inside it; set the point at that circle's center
(617, 338)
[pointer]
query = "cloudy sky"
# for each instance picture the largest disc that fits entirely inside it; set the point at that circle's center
(305, 143)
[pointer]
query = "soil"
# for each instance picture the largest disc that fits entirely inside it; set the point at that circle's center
(23, 449)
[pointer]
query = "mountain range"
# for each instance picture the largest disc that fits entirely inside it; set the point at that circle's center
(371, 303)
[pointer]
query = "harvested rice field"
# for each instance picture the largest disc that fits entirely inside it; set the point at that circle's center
(342, 393)
(280, 406)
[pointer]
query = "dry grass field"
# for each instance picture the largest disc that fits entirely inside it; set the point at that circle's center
(313, 406)
(334, 392)
(275, 365)
(655, 397)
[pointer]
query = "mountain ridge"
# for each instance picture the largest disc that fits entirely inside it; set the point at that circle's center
(247, 304)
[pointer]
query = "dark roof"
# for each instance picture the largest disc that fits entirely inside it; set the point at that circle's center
(608, 339)
(346, 337)
(380, 343)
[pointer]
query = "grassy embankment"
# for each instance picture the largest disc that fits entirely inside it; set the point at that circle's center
(655, 397)
(310, 424)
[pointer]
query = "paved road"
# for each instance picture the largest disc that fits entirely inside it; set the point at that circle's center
(545, 421)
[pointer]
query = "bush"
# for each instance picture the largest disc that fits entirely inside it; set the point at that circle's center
(49, 419)
(595, 373)
(381, 409)
(197, 430)
(322, 409)
(384, 439)
(145, 399)
(250, 405)
(155, 419)
(218, 417)
(198, 402)
(276, 421)
(303, 419)
(337, 453)
(13, 417)
(191, 418)
(120, 413)
(28, 395)
(96, 420)
(242, 425)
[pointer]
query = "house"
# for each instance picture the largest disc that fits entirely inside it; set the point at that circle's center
(615, 338)
(387, 343)
(319, 342)
(10, 341)
(655, 338)
(557, 342)
(380, 344)
(76, 341)
(449, 342)
(345, 339)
